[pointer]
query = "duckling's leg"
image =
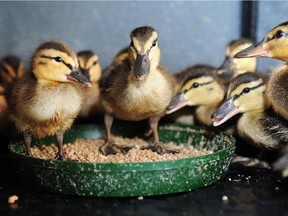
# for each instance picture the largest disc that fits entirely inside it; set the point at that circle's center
(108, 121)
(156, 145)
(28, 140)
(109, 147)
(59, 155)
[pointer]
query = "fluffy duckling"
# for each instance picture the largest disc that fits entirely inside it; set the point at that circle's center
(3, 105)
(258, 123)
(231, 66)
(274, 45)
(137, 88)
(11, 68)
(199, 88)
(90, 66)
(47, 99)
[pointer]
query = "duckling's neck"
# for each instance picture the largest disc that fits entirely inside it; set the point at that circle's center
(203, 113)
(48, 82)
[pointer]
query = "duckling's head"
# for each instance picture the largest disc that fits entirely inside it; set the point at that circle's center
(11, 67)
(237, 66)
(246, 93)
(273, 45)
(89, 65)
(199, 87)
(144, 52)
(55, 61)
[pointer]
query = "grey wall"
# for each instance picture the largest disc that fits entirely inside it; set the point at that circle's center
(189, 32)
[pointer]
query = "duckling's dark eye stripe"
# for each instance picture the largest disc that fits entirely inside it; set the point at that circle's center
(199, 84)
(49, 57)
(252, 88)
(285, 34)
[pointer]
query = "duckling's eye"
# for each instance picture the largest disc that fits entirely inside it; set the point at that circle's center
(132, 44)
(58, 59)
(95, 62)
(154, 43)
(195, 85)
(279, 34)
(246, 90)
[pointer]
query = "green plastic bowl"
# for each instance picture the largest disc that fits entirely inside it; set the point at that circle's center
(127, 179)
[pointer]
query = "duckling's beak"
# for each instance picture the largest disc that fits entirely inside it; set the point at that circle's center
(77, 76)
(226, 111)
(226, 67)
(256, 50)
(142, 66)
(85, 72)
(177, 103)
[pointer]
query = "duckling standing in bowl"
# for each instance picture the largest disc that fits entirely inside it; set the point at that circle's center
(90, 67)
(201, 89)
(137, 88)
(47, 99)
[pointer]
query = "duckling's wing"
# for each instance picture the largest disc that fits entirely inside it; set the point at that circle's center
(114, 78)
(276, 127)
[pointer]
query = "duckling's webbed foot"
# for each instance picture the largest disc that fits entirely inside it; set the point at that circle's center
(60, 157)
(110, 148)
(210, 133)
(160, 149)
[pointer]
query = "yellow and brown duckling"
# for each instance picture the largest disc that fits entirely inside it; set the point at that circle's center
(201, 89)
(11, 68)
(89, 64)
(232, 67)
(274, 45)
(137, 88)
(47, 99)
(258, 122)
(3, 107)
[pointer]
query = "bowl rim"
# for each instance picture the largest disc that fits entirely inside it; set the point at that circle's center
(128, 166)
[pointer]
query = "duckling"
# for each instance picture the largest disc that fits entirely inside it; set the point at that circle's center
(3, 106)
(274, 45)
(231, 66)
(12, 67)
(47, 99)
(258, 123)
(199, 88)
(137, 88)
(90, 66)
